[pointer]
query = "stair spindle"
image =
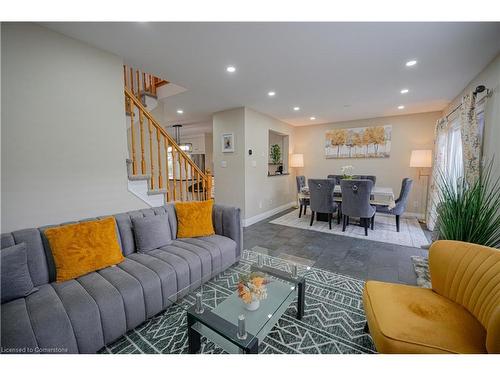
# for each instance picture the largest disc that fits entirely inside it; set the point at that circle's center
(198, 185)
(152, 168)
(132, 80)
(180, 177)
(160, 177)
(132, 140)
(141, 126)
(174, 172)
(167, 177)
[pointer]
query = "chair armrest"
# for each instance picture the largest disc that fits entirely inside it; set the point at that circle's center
(227, 223)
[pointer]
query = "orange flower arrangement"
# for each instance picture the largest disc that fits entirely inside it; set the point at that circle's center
(252, 287)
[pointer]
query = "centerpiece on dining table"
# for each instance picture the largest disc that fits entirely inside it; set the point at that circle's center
(252, 289)
(347, 172)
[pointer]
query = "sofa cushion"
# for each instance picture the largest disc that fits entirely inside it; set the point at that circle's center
(15, 278)
(151, 232)
(84, 247)
(407, 319)
(35, 251)
(194, 219)
(222, 250)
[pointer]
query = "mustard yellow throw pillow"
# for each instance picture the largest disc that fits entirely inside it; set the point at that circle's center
(84, 247)
(194, 219)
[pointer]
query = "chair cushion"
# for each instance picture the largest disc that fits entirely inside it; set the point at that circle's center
(151, 232)
(84, 247)
(15, 278)
(407, 319)
(194, 219)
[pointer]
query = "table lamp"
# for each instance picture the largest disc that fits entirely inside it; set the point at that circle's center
(297, 161)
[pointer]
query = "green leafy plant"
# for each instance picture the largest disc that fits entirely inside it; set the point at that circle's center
(470, 213)
(276, 154)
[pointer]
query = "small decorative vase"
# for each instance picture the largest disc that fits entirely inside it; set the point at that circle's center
(252, 306)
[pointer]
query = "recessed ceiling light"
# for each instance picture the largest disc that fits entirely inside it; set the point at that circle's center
(411, 63)
(271, 93)
(404, 91)
(401, 107)
(180, 111)
(230, 69)
(296, 108)
(312, 118)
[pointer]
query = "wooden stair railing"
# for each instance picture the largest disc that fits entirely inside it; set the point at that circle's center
(170, 169)
(140, 83)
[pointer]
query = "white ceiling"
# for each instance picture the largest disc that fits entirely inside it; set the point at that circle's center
(334, 71)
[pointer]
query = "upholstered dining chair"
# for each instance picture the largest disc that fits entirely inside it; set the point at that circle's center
(321, 198)
(335, 177)
(356, 202)
(401, 202)
(365, 177)
(303, 202)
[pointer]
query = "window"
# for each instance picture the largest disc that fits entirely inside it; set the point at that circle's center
(454, 167)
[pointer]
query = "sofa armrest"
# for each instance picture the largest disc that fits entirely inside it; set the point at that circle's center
(227, 223)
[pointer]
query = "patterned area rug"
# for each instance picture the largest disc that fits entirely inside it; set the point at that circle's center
(410, 234)
(333, 321)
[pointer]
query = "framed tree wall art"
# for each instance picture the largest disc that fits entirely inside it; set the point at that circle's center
(369, 142)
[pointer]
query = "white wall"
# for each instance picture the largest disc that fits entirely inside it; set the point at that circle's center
(64, 141)
(490, 77)
(409, 132)
(244, 181)
(230, 180)
(264, 193)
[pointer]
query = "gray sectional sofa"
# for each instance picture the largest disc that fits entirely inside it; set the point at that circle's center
(83, 315)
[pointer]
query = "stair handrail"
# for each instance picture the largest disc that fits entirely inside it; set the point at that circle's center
(205, 176)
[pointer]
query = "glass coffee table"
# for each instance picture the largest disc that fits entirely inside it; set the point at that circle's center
(234, 328)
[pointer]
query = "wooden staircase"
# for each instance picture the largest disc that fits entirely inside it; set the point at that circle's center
(154, 154)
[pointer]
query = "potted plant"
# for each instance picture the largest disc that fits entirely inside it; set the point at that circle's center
(275, 154)
(470, 213)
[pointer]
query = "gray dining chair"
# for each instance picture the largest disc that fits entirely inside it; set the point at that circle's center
(365, 177)
(401, 202)
(356, 202)
(335, 177)
(303, 202)
(321, 198)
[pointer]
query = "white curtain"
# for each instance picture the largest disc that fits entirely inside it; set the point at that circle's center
(439, 164)
(457, 152)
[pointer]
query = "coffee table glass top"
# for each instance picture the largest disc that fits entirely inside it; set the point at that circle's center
(226, 304)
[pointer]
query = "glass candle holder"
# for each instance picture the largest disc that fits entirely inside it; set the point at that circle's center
(199, 304)
(260, 261)
(242, 332)
(294, 270)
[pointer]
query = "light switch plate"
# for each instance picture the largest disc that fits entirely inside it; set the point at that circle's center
(254, 163)
(223, 164)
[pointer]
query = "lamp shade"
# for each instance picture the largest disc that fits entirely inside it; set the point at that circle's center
(421, 159)
(297, 160)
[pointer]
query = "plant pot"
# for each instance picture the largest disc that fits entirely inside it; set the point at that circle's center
(252, 306)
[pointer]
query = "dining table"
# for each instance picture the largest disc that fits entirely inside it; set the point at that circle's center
(380, 196)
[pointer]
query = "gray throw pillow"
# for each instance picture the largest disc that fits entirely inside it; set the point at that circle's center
(16, 279)
(151, 232)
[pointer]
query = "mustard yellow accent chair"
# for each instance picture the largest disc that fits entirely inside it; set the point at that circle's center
(460, 314)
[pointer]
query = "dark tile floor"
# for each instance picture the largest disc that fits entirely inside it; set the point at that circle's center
(359, 258)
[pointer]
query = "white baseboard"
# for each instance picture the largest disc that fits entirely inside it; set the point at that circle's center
(265, 215)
